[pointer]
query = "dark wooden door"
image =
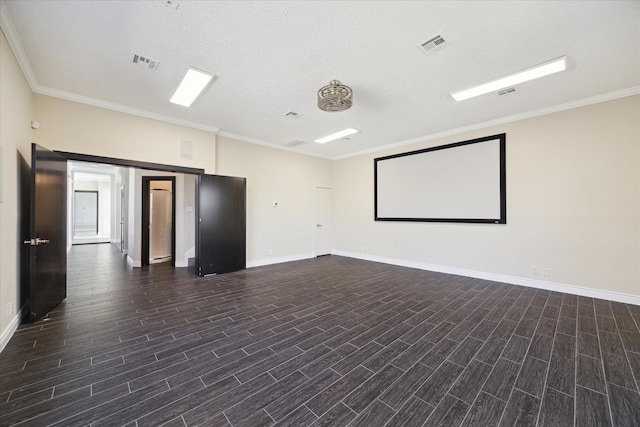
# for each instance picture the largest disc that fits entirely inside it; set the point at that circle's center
(222, 224)
(48, 232)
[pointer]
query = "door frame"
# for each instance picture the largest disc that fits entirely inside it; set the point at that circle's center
(97, 210)
(324, 226)
(146, 218)
(145, 166)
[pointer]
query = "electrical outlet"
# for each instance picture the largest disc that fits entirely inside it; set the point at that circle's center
(11, 309)
(269, 252)
(535, 271)
(546, 272)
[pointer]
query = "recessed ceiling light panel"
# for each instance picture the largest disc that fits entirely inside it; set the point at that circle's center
(542, 70)
(191, 86)
(337, 135)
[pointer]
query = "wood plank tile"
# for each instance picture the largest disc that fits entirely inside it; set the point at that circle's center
(592, 408)
(556, 410)
(326, 399)
(502, 379)
(438, 383)
(339, 415)
(298, 396)
(486, 411)
(617, 371)
(376, 414)
(562, 374)
(590, 374)
(532, 376)
(413, 414)
(450, 412)
(373, 387)
(132, 346)
(521, 410)
(625, 405)
(471, 381)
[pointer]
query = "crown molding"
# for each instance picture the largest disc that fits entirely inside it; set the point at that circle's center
(122, 108)
(6, 23)
(610, 96)
(271, 145)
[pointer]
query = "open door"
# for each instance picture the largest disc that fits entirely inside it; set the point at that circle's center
(158, 219)
(221, 225)
(48, 232)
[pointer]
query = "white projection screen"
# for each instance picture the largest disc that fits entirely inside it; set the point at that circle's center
(461, 182)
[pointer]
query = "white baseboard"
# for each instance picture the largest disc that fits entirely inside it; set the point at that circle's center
(269, 261)
(513, 280)
(182, 263)
(190, 253)
(9, 331)
(133, 263)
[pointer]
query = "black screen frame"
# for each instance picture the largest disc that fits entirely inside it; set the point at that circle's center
(502, 219)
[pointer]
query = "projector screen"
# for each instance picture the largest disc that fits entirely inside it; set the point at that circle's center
(460, 182)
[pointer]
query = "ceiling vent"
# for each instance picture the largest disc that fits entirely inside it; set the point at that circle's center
(170, 3)
(293, 143)
(433, 45)
(506, 91)
(144, 61)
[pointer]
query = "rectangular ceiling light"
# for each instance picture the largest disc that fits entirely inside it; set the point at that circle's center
(337, 135)
(192, 84)
(545, 69)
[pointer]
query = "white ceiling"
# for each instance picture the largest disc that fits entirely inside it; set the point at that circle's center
(271, 57)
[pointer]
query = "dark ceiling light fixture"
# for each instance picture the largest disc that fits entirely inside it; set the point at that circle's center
(335, 97)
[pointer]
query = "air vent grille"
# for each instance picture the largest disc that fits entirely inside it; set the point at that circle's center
(144, 61)
(506, 91)
(433, 44)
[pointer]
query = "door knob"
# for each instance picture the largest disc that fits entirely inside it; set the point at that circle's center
(37, 241)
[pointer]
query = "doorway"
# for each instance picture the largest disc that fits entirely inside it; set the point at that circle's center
(85, 213)
(158, 220)
(324, 220)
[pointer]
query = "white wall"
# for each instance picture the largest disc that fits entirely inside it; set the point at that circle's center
(573, 207)
(105, 204)
(79, 128)
(288, 231)
(121, 180)
(16, 108)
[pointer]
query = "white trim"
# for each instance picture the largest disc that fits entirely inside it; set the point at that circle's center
(514, 280)
(6, 23)
(133, 263)
(272, 145)
(121, 108)
(9, 331)
(269, 261)
(182, 264)
(501, 121)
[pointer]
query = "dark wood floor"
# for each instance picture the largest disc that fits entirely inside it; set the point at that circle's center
(328, 341)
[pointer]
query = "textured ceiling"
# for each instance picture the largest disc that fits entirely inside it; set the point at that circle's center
(272, 57)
